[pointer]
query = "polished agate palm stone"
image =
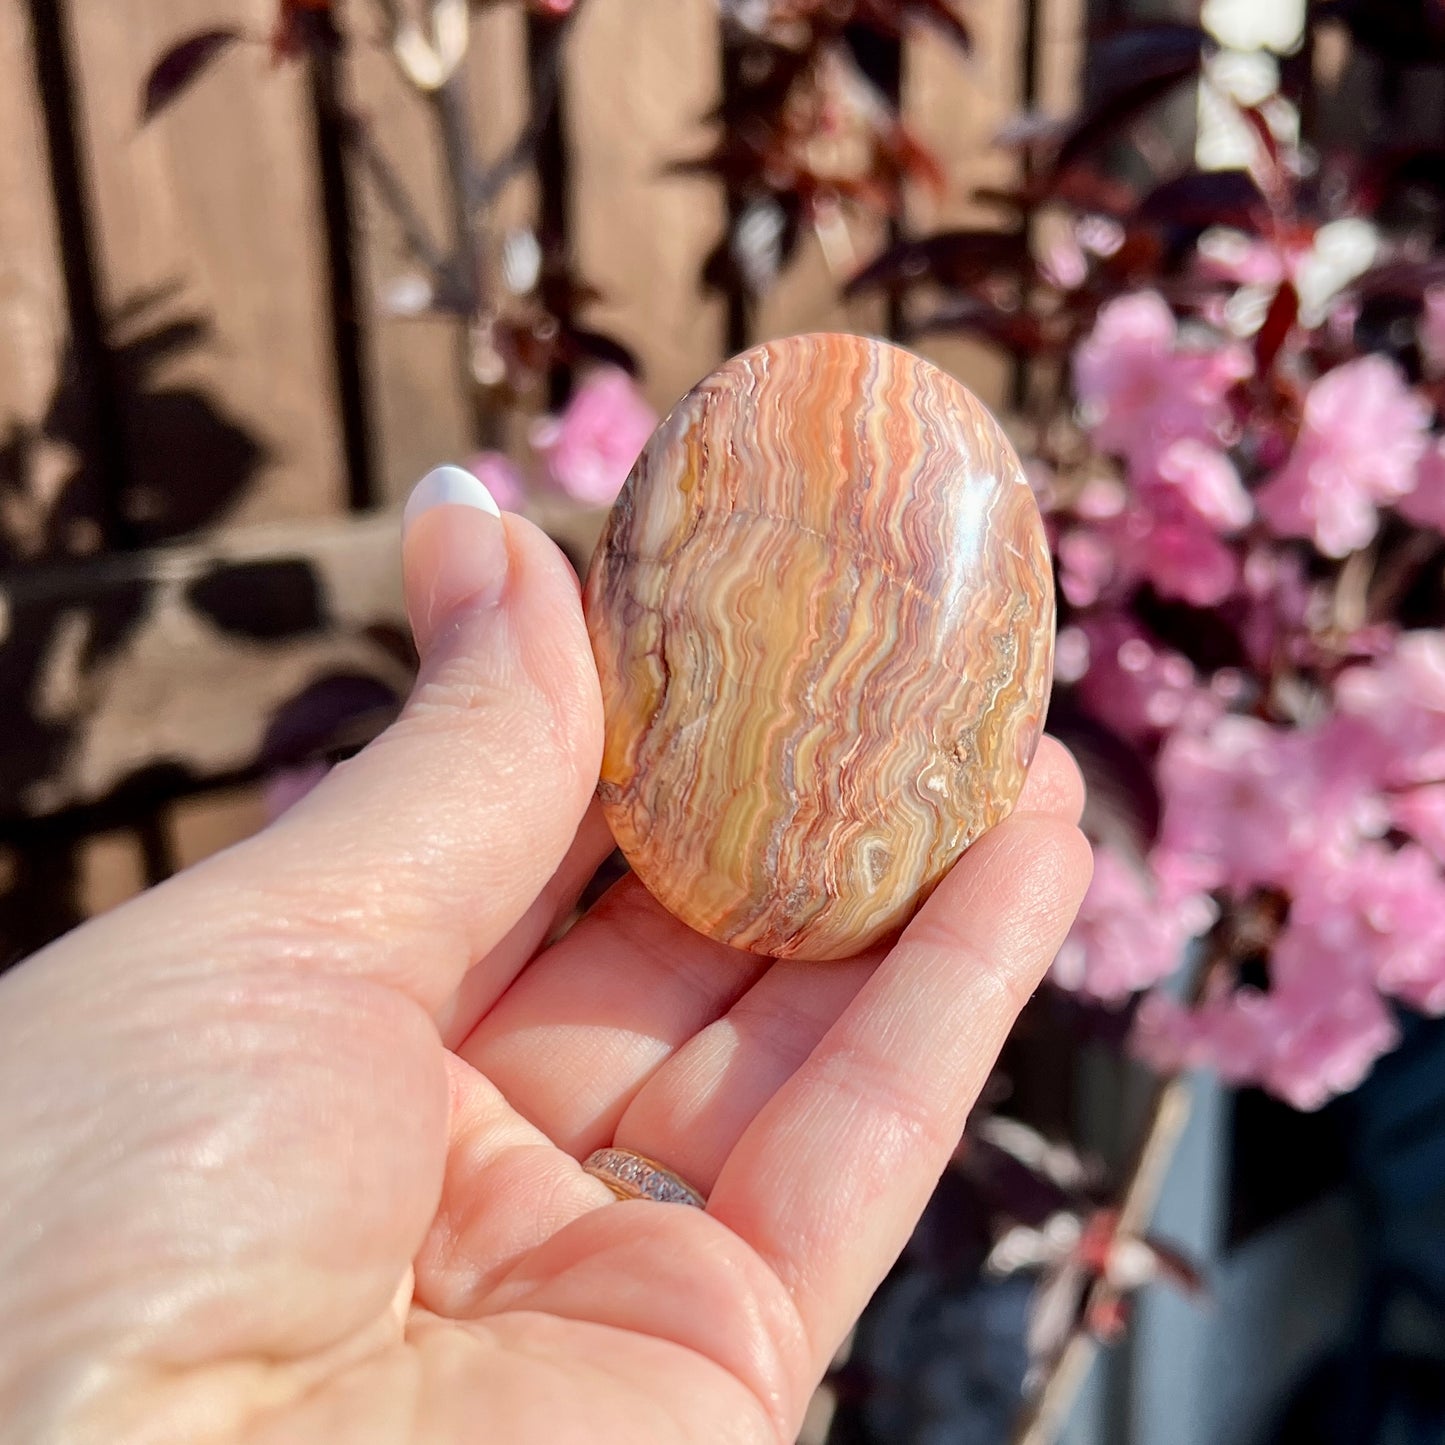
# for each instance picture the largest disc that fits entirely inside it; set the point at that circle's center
(823, 616)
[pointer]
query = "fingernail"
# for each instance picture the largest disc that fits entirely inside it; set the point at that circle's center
(454, 549)
(447, 487)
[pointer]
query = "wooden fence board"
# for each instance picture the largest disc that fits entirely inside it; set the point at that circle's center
(418, 392)
(201, 826)
(110, 870)
(173, 664)
(218, 199)
(808, 294)
(1063, 41)
(957, 103)
(35, 466)
(636, 96)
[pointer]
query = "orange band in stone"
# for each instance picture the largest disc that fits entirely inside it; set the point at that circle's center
(631, 1176)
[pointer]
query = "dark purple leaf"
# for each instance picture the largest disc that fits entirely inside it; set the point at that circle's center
(1278, 322)
(951, 258)
(940, 15)
(1119, 111)
(1082, 187)
(335, 714)
(1176, 1266)
(597, 347)
(1404, 32)
(1417, 167)
(1207, 636)
(1030, 128)
(1200, 199)
(956, 1229)
(763, 77)
(1408, 280)
(305, 27)
(1011, 327)
(1123, 808)
(1127, 55)
(739, 163)
(395, 641)
(181, 64)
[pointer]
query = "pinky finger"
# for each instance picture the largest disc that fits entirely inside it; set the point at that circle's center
(830, 1178)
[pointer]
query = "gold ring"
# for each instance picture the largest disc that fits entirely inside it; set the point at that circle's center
(631, 1176)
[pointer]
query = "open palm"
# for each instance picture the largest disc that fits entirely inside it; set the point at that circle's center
(293, 1142)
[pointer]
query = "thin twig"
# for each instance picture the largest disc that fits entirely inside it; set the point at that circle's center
(546, 83)
(1397, 574)
(397, 199)
(1049, 1410)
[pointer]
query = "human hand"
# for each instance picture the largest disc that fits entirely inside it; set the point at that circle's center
(292, 1142)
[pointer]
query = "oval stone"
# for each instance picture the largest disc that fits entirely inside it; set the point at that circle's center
(823, 616)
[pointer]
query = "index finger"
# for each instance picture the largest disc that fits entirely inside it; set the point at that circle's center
(828, 1181)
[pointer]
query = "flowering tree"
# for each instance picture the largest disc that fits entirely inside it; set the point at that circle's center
(1244, 547)
(1231, 385)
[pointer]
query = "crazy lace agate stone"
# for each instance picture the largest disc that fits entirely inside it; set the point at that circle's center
(823, 616)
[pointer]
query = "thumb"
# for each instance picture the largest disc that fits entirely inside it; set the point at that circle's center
(414, 858)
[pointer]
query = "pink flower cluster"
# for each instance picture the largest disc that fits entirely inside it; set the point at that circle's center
(591, 447)
(1360, 444)
(1162, 407)
(1302, 789)
(586, 452)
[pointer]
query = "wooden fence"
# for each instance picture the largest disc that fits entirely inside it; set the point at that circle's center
(206, 410)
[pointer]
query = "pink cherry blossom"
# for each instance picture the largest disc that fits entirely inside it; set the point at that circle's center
(1086, 565)
(1141, 390)
(1128, 935)
(1420, 812)
(1163, 542)
(501, 477)
(1063, 262)
(1071, 655)
(1183, 558)
(1325, 1044)
(1304, 1047)
(1207, 482)
(1234, 1034)
(1236, 802)
(1279, 597)
(1380, 920)
(1425, 506)
(1401, 898)
(1400, 702)
(1164, 1035)
(1137, 687)
(591, 447)
(1247, 804)
(1360, 442)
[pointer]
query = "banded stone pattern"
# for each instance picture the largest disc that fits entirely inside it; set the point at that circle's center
(823, 616)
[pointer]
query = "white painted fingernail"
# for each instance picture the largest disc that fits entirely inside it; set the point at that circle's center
(448, 487)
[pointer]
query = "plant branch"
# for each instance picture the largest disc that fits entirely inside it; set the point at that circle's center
(546, 85)
(1048, 1411)
(397, 200)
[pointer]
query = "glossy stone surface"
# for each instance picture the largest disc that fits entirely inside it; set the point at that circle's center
(823, 616)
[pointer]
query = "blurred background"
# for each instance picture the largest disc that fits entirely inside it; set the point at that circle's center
(265, 262)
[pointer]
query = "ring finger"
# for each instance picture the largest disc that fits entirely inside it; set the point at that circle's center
(693, 1110)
